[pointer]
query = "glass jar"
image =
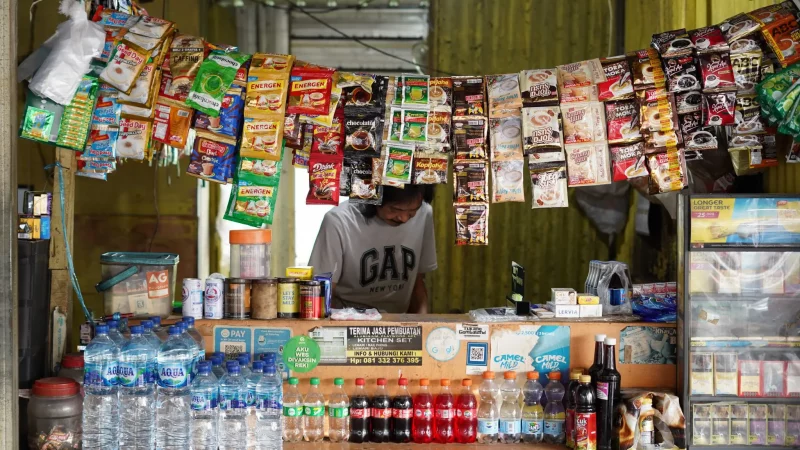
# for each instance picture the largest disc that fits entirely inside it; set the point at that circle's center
(72, 367)
(264, 298)
(237, 298)
(54, 414)
(250, 253)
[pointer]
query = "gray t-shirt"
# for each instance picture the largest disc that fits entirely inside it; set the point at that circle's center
(373, 263)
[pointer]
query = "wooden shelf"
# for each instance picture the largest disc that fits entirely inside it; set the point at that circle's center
(325, 445)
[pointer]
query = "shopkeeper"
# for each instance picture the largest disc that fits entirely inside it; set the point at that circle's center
(379, 255)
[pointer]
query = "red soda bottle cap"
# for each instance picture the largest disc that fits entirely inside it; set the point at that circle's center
(359, 381)
(381, 381)
(424, 382)
(466, 382)
(402, 382)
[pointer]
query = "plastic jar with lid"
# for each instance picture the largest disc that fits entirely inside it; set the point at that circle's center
(54, 414)
(250, 253)
(264, 298)
(72, 367)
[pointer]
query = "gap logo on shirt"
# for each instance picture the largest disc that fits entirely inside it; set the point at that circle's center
(387, 264)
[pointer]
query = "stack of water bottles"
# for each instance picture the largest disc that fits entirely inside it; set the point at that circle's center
(155, 390)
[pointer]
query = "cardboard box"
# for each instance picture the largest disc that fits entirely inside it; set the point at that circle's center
(590, 310)
(563, 296)
(588, 299)
(570, 311)
(301, 273)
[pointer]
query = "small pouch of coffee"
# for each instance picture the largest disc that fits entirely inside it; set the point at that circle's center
(577, 81)
(749, 119)
(293, 131)
(647, 71)
(329, 140)
(430, 169)
(185, 56)
(101, 144)
(622, 119)
(472, 224)
(719, 108)
(708, 39)
(688, 102)
(171, 124)
(587, 164)
(506, 138)
(324, 173)
(673, 43)
(783, 37)
(579, 123)
(213, 158)
(470, 181)
(310, 91)
(696, 136)
(658, 113)
(469, 95)
(716, 72)
(619, 81)
(469, 138)
(542, 129)
(628, 161)
(439, 120)
(549, 184)
(415, 90)
(363, 134)
(399, 161)
(508, 181)
(363, 186)
(441, 92)
(667, 171)
(124, 66)
(737, 27)
(682, 74)
(539, 87)
(266, 96)
(504, 95)
(360, 91)
(262, 138)
(746, 70)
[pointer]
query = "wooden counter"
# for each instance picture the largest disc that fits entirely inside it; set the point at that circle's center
(581, 348)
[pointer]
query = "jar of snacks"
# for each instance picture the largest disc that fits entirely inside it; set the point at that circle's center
(264, 298)
(54, 414)
(250, 253)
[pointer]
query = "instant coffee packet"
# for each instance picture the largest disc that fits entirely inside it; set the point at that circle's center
(708, 40)
(441, 92)
(628, 162)
(542, 131)
(364, 188)
(469, 138)
(539, 87)
(134, 137)
(399, 161)
(472, 224)
(549, 184)
(324, 174)
(783, 37)
(430, 169)
(252, 205)
(505, 99)
(506, 138)
(619, 81)
(470, 181)
(262, 138)
(213, 158)
(185, 57)
(213, 80)
(469, 96)
(415, 90)
(124, 66)
(508, 181)
(673, 43)
(587, 164)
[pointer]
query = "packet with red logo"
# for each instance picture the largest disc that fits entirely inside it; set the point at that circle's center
(619, 81)
(310, 91)
(262, 138)
(330, 140)
(628, 161)
(252, 205)
(719, 108)
(667, 171)
(672, 43)
(124, 66)
(622, 119)
(265, 96)
(212, 158)
(324, 172)
(708, 39)
(716, 72)
(783, 36)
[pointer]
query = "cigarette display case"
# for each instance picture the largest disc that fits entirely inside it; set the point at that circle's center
(739, 320)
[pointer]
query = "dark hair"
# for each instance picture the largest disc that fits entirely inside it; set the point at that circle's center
(398, 195)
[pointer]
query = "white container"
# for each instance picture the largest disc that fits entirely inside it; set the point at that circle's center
(250, 253)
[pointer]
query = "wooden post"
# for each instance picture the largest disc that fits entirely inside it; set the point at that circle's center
(60, 283)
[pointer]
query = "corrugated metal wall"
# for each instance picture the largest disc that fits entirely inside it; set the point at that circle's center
(555, 246)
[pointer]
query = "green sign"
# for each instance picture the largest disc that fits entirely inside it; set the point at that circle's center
(301, 354)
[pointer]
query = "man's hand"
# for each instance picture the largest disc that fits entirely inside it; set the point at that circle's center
(419, 296)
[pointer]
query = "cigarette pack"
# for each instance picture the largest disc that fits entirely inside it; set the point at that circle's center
(563, 296)
(738, 424)
(725, 379)
(793, 379)
(773, 378)
(701, 378)
(720, 424)
(590, 310)
(792, 425)
(749, 378)
(757, 428)
(776, 424)
(569, 311)
(701, 425)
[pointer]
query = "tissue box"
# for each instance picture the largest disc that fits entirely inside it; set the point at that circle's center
(567, 311)
(562, 296)
(590, 310)
(588, 299)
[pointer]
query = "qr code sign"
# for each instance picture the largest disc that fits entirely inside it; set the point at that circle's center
(477, 353)
(232, 349)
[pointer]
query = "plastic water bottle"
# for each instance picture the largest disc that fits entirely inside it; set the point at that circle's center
(487, 410)
(136, 386)
(114, 334)
(216, 366)
(532, 412)
(189, 320)
(151, 337)
(244, 364)
(554, 415)
(101, 403)
(338, 413)
(510, 413)
(269, 434)
(251, 381)
(292, 412)
(161, 332)
(205, 408)
(313, 413)
(232, 409)
(193, 345)
(173, 407)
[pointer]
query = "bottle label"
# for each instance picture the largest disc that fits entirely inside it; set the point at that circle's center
(381, 413)
(204, 401)
(314, 411)
(130, 375)
(445, 413)
(487, 426)
(359, 413)
(602, 390)
(585, 431)
(250, 399)
(423, 413)
(151, 374)
(510, 426)
(535, 427)
(339, 413)
(467, 414)
(231, 400)
(554, 427)
(268, 401)
(173, 375)
(401, 413)
(293, 411)
(100, 374)
(646, 425)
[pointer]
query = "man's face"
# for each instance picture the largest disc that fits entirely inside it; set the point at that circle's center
(398, 213)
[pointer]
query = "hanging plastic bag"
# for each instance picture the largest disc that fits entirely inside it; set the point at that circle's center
(77, 41)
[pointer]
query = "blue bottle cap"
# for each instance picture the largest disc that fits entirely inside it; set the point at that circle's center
(112, 324)
(137, 329)
(174, 330)
(269, 369)
(189, 320)
(233, 367)
(147, 324)
(270, 356)
(203, 367)
(242, 360)
(244, 355)
(156, 320)
(258, 366)
(101, 329)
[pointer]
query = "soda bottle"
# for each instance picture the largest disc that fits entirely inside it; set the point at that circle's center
(554, 410)
(487, 410)
(585, 416)
(380, 414)
(510, 412)
(292, 412)
(422, 426)
(532, 412)
(569, 405)
(444, 414)
(402, 411)
(359, 414)
(466, 428)
(607, 394)
(599, 358)
(313, 413)
(338, 413)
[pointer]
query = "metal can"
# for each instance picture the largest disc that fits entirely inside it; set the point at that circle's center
(327, 293)
(237, 296)
(311, 301)
(618, 297)
(288, 298)
(213, 298)
(193, 298)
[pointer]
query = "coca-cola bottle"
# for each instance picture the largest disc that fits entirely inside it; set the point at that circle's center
(402, 411)
(359, 414)
(380, 414)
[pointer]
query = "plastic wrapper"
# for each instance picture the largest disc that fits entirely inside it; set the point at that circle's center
(366, 314)
(77, 42)
(498, 315)
(669, 422)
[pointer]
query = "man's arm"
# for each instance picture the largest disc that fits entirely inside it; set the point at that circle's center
(419, 296)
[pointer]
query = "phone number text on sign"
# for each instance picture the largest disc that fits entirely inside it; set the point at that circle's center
(384, 346)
